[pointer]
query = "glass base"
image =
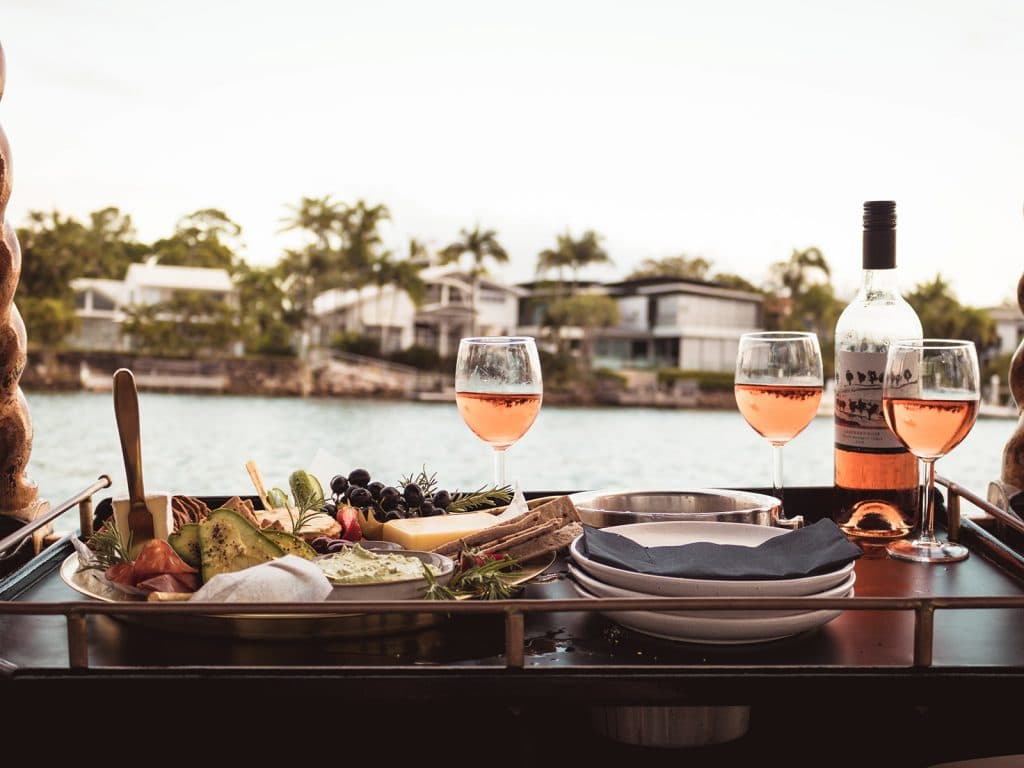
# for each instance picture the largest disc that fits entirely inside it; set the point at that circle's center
(927, 551)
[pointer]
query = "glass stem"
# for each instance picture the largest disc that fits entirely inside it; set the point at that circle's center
(499, 468)
(928, 504)
(777, 476)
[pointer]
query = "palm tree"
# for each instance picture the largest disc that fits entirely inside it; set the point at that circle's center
(481, 246)
(320, 216)
(574, 254)
(318, 265)
(360, 227)
(403, 276)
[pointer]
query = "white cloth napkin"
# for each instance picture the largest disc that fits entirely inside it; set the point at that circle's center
(288, 579)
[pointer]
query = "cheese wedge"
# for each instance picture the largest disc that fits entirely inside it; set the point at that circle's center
(423, 534)
(159, 506)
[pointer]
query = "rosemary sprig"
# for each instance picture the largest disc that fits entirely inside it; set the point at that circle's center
(489, 580)
(427, 483)
(435, 590)
(109, 546)
(482, 498)
(309, 509)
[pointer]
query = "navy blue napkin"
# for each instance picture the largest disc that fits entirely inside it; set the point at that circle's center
(813, 549)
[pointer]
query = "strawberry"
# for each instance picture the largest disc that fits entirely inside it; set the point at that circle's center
(349, 522)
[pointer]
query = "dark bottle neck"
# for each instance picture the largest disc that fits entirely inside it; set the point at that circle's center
(879, 249)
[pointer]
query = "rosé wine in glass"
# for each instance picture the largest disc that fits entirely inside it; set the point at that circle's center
(778, 387)
(498, 390)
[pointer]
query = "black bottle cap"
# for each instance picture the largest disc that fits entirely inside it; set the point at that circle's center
(879, 234)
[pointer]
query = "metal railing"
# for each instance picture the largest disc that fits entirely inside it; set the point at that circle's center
(514, 611)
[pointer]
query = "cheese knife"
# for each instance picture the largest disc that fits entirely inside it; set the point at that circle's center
(126, 411)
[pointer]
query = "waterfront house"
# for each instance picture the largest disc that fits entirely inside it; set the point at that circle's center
(444, 317)
(664, 322)
(1009, 327)
(103, 306)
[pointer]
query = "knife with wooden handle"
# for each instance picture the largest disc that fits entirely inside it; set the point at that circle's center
(126, 411)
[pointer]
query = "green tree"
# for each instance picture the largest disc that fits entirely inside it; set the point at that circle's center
(572, 254)
(588, 311)
(735, 282)
(944, 317)
(266, 327)
(55, 250)
(791, 276)
(205, 238)
(317, 265)
(48, 321)
(362, 246)
(191, 324)
(682, 266)
(480, 246)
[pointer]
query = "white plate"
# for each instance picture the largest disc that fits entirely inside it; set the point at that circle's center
(600, 589)
(691, 629)
(686, 532)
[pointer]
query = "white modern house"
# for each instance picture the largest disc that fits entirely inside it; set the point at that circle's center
(102, 305)
(1009, 327)
(665, 322)
(444, 317)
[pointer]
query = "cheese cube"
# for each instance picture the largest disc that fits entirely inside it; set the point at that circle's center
(159, 505)
(423, 534)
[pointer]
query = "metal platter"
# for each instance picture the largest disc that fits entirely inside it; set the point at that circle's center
(94, 585)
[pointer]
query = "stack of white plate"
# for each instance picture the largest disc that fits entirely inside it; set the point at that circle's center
(596, 580)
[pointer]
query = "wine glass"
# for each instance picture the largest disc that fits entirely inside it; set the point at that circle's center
(498, 390)
(930, 398)
(778, 388)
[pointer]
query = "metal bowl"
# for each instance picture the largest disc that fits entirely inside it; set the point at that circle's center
(603, 508)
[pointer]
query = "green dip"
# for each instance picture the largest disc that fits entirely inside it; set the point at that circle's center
(355, 565)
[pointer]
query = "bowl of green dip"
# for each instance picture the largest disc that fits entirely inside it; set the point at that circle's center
(357, 573)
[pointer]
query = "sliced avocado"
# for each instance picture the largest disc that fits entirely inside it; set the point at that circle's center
(228, 542)
(291, 544)
(186, 543)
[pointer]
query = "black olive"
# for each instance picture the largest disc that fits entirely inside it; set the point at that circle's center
(360, 477)
(413, 495)
(360, 497)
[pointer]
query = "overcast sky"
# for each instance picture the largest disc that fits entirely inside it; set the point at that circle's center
(732, 130)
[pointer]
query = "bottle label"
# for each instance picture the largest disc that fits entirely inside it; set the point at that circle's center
(860, 423)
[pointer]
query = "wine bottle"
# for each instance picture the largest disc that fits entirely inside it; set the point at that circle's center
(876, 478)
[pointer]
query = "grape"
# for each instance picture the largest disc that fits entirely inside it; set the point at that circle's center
(427, 509)
(375, 488)
(379, 515)
(442, 499)
(360, 497)
(387, 503)
(360, 477)
(330, 507)
(413, 495)
(393, 514)
(320, 544)
(338, 485)
(337, 545)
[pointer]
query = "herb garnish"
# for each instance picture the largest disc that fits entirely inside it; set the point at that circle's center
(109, 546)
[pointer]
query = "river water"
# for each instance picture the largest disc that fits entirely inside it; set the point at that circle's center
(199, 444)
